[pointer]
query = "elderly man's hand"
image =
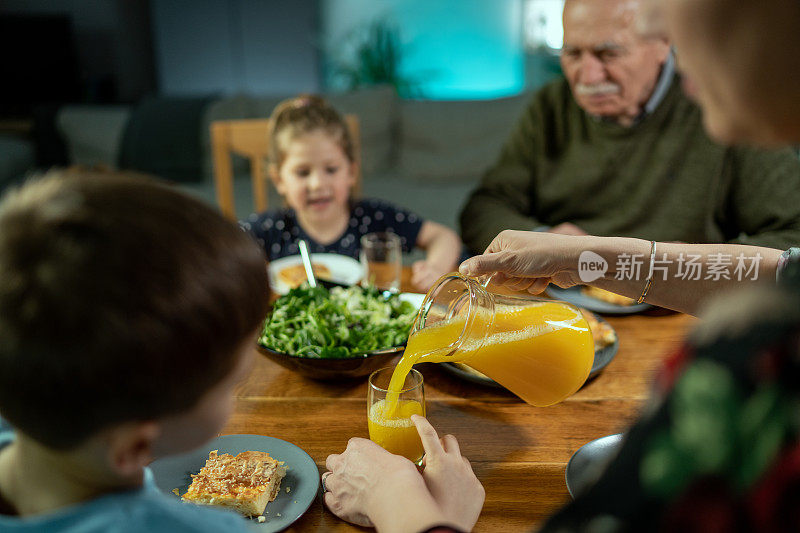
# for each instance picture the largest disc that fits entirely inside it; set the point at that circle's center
(528, 261)
(567, 228)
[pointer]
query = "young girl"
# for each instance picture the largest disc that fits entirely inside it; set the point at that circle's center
(313, 167)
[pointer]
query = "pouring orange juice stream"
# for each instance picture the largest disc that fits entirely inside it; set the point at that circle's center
(390, 426)
(542, 352)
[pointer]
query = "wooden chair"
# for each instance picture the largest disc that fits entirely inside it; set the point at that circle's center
(250, 138)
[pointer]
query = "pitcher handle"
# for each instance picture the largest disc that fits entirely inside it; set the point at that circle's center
(485, 280)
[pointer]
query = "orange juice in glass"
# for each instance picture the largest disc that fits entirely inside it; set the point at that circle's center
(390, 426)
(541, 350)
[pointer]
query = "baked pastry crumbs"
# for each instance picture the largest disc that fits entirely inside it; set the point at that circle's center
(602, 332)
(245, 483)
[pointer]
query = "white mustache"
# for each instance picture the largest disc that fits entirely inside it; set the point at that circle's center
(600, 88)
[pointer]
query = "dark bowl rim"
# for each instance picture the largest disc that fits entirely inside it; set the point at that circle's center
(394, 350)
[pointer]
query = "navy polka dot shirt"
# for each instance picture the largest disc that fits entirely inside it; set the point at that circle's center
(278, 231)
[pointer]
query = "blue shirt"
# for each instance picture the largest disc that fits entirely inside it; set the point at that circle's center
(143, 509)
(278, 231)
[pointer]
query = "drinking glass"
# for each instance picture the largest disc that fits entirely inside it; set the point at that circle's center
(389, 419)
(382, 259)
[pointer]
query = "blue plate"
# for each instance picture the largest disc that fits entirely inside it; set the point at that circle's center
(575, 296)
(302, 475)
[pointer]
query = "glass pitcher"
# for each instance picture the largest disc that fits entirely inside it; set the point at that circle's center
(541, 350)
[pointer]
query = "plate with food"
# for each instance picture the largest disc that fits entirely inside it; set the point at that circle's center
(274, 481)
(597, 300)
(288, 272)
(606, 345)
(339, 332)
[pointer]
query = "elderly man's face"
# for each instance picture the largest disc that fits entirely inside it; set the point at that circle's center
(611, 69)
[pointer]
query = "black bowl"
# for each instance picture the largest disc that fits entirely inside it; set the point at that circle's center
(330, 369)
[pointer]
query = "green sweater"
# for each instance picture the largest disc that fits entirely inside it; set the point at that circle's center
(662, 179)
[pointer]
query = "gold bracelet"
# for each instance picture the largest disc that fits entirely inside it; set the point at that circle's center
(650, 275)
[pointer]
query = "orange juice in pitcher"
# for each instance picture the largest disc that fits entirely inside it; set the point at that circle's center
(541, 350)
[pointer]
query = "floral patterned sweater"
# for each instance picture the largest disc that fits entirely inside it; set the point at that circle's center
(718, 449)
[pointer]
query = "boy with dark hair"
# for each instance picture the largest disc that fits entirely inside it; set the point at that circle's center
(127, 315)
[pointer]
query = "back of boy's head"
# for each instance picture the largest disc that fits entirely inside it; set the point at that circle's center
(121, 299)
(304, 114)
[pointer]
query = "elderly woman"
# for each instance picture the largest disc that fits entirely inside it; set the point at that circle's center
(719, 446)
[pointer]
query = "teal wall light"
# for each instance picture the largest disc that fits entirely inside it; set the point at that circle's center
(450, 49)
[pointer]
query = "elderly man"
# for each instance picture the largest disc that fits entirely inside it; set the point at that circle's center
(617, 149)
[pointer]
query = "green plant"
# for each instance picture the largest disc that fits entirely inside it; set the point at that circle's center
(377, 60)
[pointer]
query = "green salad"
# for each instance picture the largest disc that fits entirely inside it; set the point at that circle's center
(337, 323)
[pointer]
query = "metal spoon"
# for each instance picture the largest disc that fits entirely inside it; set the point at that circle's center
(312, 280)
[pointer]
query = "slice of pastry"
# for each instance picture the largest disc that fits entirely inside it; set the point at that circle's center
(602, 332)
(607, 296)
(294, 276)
(245, 483)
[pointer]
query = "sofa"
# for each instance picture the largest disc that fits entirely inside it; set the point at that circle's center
(422, 154)
(17, 157)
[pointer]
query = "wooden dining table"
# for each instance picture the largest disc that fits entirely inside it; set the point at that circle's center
(518, 452)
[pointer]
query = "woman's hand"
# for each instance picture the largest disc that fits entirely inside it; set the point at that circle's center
(369, 486)
(449, 477)
(360, 475)
(528, 261)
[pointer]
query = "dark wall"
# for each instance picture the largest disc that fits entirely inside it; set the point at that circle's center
(229, 46)
(112, 44)
(126, 49)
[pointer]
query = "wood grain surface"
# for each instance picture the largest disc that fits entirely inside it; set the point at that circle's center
(518, 452)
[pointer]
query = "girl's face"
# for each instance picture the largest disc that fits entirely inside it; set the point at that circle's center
(316, 177)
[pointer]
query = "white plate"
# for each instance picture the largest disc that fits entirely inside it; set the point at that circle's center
(302, 475)
(343, 269)
(414, 298)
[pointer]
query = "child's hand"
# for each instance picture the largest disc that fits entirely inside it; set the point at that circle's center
(424, 274)
(442, 247)
(449, 476)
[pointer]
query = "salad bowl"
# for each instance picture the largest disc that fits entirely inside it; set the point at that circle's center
(333, 333)
(330, 369)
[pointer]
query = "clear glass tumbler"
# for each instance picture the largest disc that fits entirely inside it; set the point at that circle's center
(382, 259)
(391, 426)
